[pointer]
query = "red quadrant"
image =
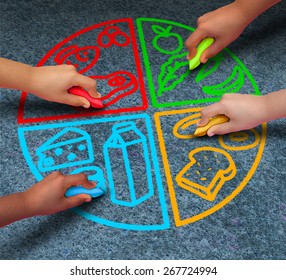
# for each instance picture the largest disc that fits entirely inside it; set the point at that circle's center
(124, 84)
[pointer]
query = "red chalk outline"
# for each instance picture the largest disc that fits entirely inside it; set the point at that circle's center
(132, 82)
(61, 56)
(22, 120)
(117, 31)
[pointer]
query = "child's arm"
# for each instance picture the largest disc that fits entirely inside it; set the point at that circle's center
(225, 25)
(44, 198)
(48, 82)
(245, 111)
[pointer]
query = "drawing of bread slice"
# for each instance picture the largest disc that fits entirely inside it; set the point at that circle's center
(209, 168)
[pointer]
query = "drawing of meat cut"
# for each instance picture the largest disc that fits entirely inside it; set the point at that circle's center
(92, 52)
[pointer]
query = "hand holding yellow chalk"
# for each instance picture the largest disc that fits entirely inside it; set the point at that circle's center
(218, 119)
(195, 61)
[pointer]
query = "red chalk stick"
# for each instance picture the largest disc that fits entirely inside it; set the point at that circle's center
(94, 102)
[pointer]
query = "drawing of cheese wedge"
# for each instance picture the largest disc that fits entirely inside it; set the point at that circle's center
(209, 168)
(69, 147)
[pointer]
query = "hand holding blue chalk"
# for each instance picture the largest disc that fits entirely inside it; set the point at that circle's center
(195, 61)
(94, 192)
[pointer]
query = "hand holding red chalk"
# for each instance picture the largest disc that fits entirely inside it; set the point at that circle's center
(94, 102)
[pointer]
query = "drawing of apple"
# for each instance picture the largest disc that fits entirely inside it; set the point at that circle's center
(165, 34)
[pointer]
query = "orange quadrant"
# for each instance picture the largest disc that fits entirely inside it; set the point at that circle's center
(204, 176)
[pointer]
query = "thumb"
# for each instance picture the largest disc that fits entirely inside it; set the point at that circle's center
(203, 121)
(220, 129)
(77, 200)
(213, 50)
(208, 112)
(193, 41)
(77, 101)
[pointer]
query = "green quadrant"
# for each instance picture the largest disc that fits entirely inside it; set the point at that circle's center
(170, 81)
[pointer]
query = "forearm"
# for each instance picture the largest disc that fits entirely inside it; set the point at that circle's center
(251, 9)
(276, 105)
(13, 207)
(15, 75)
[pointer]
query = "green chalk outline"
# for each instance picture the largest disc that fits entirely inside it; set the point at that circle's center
(203, 74)
(166, 76)
(227, 85)
(204, 44)
(166, 33)
(149, 74)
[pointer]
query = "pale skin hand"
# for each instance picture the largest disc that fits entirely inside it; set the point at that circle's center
(44, 198)
(225, 25)
(244, 111)
(47, 82)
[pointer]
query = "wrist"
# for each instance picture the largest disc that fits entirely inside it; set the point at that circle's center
(28, 204)
(252, 9)
(244, 12)
(264, 108)
(34, 80)
(15, 75)
(275, 105)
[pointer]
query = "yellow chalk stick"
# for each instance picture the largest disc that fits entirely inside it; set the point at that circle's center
(218, 119)
(195, 61)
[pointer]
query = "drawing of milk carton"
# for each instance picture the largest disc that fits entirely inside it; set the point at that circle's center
(128, 165)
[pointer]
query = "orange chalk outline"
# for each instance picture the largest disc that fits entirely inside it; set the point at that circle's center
(239, 137)
(209, 192)
(178, 221)
(184, 124)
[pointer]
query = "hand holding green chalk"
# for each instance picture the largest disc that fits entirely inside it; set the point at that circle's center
(195, 61)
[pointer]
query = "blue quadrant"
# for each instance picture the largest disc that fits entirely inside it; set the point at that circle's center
(127, 142)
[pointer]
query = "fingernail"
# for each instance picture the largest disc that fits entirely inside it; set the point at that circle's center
(98, 94)
(211, 134)
(205, 60)
(88, 199)
(86, 105)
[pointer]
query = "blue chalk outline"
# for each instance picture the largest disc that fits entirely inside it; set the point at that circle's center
(78, 210)
(97, 177)
(110, 143)
(49, 144)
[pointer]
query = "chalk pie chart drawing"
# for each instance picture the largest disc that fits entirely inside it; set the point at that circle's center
(140, 147)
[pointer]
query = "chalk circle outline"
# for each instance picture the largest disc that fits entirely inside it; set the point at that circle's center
(171, 180)
(235, 137)
(185, 123)
(157, 115)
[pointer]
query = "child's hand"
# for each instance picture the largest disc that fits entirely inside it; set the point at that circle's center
(244, 112)
(52, 83)
(48, 196)
(224, 25)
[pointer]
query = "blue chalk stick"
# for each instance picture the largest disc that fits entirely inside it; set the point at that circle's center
(94, 192)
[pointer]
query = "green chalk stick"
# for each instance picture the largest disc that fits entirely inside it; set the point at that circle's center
(204, 44)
